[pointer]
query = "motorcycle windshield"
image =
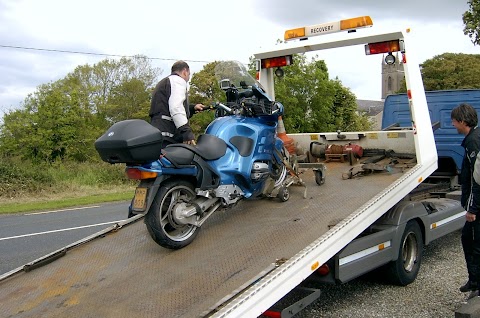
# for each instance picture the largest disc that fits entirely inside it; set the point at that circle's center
(235, 74)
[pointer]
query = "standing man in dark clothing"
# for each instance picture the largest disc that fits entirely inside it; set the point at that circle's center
(465, 119)
(169, 109)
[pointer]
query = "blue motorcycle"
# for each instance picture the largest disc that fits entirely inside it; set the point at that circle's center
(239, 157)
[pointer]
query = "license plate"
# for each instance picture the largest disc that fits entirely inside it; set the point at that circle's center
(140, 199)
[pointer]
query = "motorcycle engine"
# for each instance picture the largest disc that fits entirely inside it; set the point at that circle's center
(260, 171)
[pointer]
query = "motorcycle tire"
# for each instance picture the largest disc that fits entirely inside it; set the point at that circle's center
(130, 210)
(160, 221)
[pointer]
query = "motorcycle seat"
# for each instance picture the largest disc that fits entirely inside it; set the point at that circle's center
(209, 147)
(178, 155)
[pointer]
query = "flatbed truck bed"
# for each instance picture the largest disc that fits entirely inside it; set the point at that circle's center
(124, 273)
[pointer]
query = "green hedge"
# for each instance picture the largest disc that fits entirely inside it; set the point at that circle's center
(19, 177)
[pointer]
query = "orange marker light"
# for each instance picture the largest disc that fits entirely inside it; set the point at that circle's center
(354, 23)
(294, 34)
(137, 174)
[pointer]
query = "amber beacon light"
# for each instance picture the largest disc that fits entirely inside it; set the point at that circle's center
(349, 25)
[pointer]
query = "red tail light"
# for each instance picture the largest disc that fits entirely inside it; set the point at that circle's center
(272, 314)
(323, 270)
(383, 47)
(277, 61)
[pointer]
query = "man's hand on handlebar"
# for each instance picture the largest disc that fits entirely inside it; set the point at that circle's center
(200, 107)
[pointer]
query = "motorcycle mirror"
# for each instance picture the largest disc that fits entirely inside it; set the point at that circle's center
(225, 84)
(243, 85)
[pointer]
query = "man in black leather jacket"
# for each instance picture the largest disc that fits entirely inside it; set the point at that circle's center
(169, 108)
(465, 119)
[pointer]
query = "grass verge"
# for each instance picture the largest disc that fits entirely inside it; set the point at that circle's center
(27, 187)
(60, 203)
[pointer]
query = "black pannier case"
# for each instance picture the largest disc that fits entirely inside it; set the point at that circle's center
(130, 141)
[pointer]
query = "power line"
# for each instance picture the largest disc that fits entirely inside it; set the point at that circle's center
(91, 53)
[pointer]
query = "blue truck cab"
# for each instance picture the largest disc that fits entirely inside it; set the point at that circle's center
(396, 115)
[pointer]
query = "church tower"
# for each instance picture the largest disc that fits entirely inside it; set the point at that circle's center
(392, 76)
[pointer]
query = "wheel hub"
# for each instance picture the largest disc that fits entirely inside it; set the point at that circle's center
(409, 252)
(181, 214)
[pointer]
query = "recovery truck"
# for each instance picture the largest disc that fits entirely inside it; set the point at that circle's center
(248, 258)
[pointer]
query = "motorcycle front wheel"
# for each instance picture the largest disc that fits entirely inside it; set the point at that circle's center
(160, 219)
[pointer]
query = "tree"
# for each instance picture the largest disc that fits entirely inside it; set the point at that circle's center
(117, 89)
(204, 89)
(51, 126)
(313, 102)
(346, 117)
(471, 20)
(130, 99)
(61, 120)
(450, 71)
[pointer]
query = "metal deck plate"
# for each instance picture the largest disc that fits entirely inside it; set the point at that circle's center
(126, 274)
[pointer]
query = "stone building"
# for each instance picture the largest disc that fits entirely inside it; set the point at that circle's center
(392, 76)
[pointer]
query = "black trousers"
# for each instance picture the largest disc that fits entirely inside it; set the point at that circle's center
(471, 249)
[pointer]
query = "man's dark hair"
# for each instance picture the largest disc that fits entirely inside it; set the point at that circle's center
(179, 66)
(466, 113)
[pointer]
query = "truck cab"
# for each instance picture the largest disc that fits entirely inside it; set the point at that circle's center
(397, 116)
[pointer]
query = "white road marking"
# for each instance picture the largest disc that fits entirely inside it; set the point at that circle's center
(71, 209)
(55, 231)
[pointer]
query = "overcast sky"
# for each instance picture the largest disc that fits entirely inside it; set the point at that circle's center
(200, 31)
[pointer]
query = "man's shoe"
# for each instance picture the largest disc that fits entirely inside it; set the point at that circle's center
(469, 286)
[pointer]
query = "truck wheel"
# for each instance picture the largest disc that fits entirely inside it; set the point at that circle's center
(160, 219)
(405, 269)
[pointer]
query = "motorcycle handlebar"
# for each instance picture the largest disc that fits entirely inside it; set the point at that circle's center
(224, 107)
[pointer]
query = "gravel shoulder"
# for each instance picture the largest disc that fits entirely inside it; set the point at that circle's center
(433, 294)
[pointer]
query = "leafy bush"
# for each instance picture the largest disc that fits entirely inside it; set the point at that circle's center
(25, 178)
(20, 177)
(89, 174)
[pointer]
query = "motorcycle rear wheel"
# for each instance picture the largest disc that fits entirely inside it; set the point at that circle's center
(160, 220)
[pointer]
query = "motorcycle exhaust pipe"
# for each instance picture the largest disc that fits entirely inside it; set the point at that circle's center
(185, 213)
(206, 216)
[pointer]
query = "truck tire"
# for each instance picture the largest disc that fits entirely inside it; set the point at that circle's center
(160, 220)
(405, 269)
